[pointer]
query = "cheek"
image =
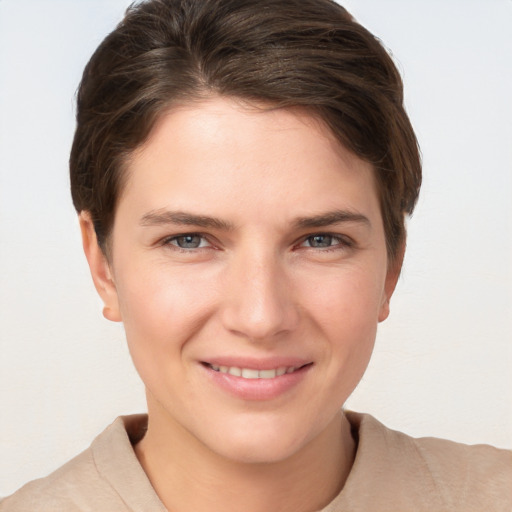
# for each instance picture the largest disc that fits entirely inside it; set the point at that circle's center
(346, 310)
(161, 309)
(347, 299)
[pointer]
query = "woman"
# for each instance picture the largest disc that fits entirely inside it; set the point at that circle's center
(242, 172)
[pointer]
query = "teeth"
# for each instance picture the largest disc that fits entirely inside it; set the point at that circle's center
(237, 372)
(267, 374)
(249, 373)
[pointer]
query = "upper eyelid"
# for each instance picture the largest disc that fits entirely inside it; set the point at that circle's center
(338, 236)
(186, 233)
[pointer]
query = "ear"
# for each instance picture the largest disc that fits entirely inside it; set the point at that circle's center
(391, 279)
(100, 268)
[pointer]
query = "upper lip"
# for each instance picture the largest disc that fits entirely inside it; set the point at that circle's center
(257, 363)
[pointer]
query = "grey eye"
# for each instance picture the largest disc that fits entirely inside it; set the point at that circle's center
(320, 240)
(188, 241)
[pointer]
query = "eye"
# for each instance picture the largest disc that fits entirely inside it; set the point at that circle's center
(188, 241)
(324, 241)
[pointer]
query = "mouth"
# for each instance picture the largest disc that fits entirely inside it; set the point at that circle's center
(252, 373)
(257, 380)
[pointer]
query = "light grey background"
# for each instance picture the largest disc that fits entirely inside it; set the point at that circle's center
(442, 364)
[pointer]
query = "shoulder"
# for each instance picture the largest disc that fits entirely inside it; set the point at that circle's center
(67, 488)
(433, 472)
(478, 475)
(106, 476)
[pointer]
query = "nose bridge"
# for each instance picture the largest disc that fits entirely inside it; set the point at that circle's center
(259, 301)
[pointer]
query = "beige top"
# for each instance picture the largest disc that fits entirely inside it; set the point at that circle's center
(391, 472)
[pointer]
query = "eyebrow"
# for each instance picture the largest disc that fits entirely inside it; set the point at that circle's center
(329, 218)
(163, 217)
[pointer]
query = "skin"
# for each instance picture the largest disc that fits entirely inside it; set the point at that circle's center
(276, 274)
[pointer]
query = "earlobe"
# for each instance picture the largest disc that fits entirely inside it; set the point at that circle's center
(100, 268)
(384, 309)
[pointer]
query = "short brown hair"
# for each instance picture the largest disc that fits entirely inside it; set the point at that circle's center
(288, 53)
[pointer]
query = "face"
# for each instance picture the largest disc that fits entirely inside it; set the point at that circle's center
(249, 268)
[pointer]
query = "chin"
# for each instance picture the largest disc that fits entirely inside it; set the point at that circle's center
(261, 443)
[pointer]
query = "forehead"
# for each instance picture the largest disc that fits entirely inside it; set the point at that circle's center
(237, 158)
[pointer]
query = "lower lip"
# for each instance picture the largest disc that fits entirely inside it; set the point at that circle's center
(257, 389)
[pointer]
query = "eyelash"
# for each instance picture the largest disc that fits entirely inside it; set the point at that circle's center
(168, 241)
(342, 242)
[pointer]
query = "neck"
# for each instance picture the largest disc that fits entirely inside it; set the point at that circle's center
(188, 476)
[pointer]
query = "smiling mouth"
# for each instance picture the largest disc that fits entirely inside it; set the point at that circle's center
(251, 373)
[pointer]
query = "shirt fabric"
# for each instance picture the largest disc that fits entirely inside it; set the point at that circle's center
(391, 472)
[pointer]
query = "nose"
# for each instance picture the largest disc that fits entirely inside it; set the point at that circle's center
(259, 301)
